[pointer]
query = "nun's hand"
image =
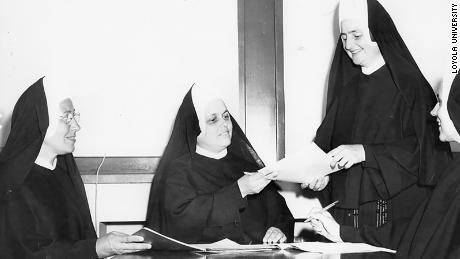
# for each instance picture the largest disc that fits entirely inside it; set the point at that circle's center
(274, 235)
(344, 156)
(252, 183)
(324, 224)
(269, 172)
(115, 243)
(317, 185)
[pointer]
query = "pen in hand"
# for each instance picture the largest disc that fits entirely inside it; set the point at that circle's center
(324, 209)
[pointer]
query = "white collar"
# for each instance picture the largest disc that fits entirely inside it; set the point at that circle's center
(43, 163)
(378, 63)
(207, 153)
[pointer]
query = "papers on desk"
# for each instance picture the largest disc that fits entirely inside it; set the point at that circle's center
(309, 164)
(165, 243)
(228, 246)
(339, 248)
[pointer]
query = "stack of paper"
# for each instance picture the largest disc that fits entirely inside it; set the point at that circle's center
(164, 243)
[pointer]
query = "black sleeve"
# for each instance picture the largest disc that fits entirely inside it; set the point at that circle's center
(279, 211)
(186, 209)
(392, 167)
(27, 237)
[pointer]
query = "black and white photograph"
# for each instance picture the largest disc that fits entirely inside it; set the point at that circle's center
(212, 129)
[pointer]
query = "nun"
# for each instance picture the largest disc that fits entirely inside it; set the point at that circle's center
(44, 212)
(377, 129)
(435, 229)
(207, 186)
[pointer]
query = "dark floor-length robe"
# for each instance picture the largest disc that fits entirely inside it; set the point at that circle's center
(43, 214)
(434, 231)
(388, 112)
(45, 220)
(197, 199)
(204, 203)
(371, 111)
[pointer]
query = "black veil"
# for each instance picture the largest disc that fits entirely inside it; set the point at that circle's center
(28, 128)
(417, 93)
(183, 140)
(453, 103)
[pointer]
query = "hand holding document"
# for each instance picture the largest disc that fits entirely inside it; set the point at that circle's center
(309, 164)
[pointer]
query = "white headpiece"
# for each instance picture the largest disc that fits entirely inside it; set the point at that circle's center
(353, 9)
(56, 90)
(203, 93)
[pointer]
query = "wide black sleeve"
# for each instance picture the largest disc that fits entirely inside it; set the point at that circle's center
(29, 236)
(393, 166)
(279, 211)
(188, 213)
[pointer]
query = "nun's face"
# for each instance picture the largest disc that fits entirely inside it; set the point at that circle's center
(62, 140)
(447, 130)
(217, 134)
(357, 43)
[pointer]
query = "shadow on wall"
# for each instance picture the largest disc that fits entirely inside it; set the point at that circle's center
(294, 187)
(335, 32)
(5, 127)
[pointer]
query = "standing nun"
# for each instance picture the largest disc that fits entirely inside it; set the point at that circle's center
(44, 212)
(378, 129)
(200, 192)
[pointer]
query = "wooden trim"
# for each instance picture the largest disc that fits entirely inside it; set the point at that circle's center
(261, 79)
(117, 169)
(242, 64)
(279, 80)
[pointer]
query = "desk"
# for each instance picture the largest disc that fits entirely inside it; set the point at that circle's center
(274, 254)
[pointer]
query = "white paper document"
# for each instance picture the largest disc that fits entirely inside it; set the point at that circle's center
(339, 248)
(229, 246)
(309, 164)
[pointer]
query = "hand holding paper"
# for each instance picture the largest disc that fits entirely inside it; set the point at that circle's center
(306, 166)
(344, 156)
(252, 183)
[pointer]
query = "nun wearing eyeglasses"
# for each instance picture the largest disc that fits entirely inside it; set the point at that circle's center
(44, 212)
(378, 129)
(207, 186)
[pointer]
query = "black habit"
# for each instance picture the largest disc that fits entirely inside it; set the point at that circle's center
(434, 231)
(388, 113)
(196, 199)
(43, 213)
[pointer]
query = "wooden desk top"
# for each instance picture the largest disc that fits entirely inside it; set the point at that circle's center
(275, 254)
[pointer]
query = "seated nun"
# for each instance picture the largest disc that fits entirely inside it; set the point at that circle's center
(435, 229)
(378, 129)
(44, 211)
(207, 186)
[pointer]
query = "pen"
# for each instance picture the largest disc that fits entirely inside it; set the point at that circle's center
(329, 206)
(324, 209)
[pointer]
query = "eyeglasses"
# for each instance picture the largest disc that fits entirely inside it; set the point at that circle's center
(69, 116)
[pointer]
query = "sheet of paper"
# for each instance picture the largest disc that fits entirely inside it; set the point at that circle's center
(227, 245)
(335, 248)
(304, 166)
